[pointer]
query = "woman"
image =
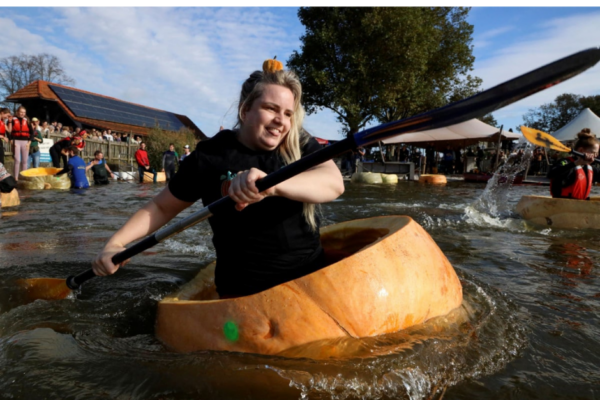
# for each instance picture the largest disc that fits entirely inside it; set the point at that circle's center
(34, 147)
(573, 177)
(20, 136)
(268, 243)
(57, 153)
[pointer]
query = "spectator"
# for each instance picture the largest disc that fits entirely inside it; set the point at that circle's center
(51, 130)
(45, 129)
(358, 156)
(141, 156)
(77, 131)
(169, 161)
(59, 127)
(186, 152)
(109, 137)
(116, 137)
(100, 169)
(34, 147)
(135, 140)
(448, 161)
(4, 115)
(75, 168)
(480, 158)
(20, 135)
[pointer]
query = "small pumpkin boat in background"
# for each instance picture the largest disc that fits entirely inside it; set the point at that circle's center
(560, 213)
(437, 179)
(386, 274)
(43, 178)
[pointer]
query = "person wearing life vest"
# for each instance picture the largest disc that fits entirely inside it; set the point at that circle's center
(21, 136)
(141, 156)
(573, 177)
(4, 115)
(76, 169)
(100, 169)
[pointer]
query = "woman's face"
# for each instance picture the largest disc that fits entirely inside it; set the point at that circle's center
(21, 113)
(269, 119)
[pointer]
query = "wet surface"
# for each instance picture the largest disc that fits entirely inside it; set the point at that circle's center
(529, 327)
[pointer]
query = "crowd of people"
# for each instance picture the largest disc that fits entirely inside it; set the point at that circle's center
(23, 136)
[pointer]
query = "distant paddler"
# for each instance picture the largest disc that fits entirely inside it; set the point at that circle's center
(573, 177)
(75, 168)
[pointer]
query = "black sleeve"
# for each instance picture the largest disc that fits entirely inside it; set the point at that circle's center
(189, 180)
(561, 170)
(65, 170)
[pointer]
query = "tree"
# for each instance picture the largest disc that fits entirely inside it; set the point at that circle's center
(489, 119)
(551, 117)
(17, 72)
(383, 63)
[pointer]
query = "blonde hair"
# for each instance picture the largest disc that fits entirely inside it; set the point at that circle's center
(585, 139)
(290, 148)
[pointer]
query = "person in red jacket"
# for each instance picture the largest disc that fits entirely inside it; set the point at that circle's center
(572, 178)
(141, 156)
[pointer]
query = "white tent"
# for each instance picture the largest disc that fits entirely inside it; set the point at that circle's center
(463, 134)
(585, 119)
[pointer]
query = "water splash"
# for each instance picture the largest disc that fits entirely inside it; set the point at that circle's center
(492, 207)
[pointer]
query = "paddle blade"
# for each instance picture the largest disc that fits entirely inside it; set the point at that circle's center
(543, 139)
(45, 288)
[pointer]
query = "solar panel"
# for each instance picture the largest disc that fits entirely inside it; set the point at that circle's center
(92, 106)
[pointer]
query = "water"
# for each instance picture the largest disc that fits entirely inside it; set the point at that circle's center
(529, 327)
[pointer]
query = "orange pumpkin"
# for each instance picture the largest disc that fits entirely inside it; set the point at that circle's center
(386, 274)
(272, 65)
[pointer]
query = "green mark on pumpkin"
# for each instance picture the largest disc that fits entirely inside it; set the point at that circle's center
(231, 331)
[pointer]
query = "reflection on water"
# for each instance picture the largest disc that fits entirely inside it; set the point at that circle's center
(529, 324)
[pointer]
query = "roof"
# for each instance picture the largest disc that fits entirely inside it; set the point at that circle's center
(464, 134)
(585, 119)
(77, 104)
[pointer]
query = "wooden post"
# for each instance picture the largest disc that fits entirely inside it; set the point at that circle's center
(498, 147)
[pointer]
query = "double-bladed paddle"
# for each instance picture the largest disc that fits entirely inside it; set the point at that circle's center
(543, 139)
(460, 111)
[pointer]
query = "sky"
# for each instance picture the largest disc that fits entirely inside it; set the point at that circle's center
(192, 61)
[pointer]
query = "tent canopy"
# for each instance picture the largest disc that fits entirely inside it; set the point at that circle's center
(585, 119)
(460, 135)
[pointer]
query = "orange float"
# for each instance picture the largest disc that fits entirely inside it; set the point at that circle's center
(386, 274)
(149, 177)
(10, 199)
(433, 178)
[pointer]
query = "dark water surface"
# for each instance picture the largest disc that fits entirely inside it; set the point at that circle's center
(529, 327)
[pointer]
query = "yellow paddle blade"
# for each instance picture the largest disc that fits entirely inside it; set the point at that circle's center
(543, 139)
(45, 288)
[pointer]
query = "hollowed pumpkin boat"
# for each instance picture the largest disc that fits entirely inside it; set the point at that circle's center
(385, 274)
(560, 213)
(433, 179)
(43, 178)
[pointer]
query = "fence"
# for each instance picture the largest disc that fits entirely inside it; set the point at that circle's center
(119, 154)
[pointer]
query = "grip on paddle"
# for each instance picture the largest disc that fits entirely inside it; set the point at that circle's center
(134, 250)
(74, 282)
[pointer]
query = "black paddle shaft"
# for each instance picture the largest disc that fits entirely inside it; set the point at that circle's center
(581, 155)
(455, 113)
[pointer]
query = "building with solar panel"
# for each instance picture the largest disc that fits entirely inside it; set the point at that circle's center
(74, 107)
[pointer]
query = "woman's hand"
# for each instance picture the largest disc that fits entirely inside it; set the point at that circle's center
(588, 159)
(243, 188)
(103, 264)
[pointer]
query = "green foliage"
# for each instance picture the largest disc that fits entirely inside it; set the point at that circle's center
(158, 140)
(489, 119)
(383, 63)
(551, 117)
